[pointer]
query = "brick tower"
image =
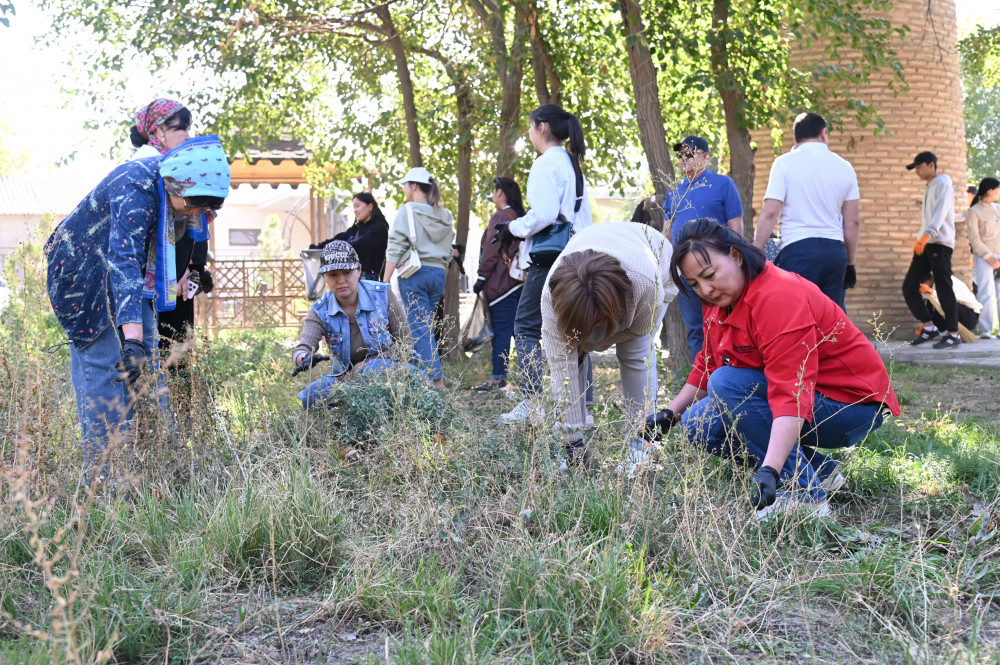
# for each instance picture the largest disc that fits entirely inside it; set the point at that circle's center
(927, 117)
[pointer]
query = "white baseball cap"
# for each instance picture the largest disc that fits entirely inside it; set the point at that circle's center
(416, 174)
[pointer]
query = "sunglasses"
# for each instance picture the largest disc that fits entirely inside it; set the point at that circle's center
(191, 205)
(684, 155)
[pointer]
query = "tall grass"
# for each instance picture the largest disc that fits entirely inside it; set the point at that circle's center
(428, 532)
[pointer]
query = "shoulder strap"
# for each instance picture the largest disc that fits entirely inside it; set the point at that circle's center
(413, 231)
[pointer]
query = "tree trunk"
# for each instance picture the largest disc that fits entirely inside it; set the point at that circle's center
(649, 113)
(395, 42)
(510, 73)
(547, 84)
(673, 338)
(511, 77)
(741, 156)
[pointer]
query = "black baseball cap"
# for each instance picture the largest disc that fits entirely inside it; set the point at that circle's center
(925, 157)
(693, 142)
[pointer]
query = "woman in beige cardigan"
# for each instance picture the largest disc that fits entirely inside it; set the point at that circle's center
(610, 286)
(982, 223)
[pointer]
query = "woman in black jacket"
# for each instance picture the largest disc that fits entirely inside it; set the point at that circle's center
(369, 236)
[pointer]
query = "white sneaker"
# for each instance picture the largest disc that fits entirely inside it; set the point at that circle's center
(638, 456)
(833, 482)
(788, 502)
(524, 411)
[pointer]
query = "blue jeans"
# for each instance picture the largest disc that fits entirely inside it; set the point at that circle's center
(690, 305)
(502, 317)
(734, 420)
(319, 390)
(421, 294)
(820, 260)
(103, 403)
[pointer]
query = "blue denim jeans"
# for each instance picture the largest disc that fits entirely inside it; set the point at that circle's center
(421, 293)
(690, 305)
(319, 390)
(820, 260)
(104, 404)
(502, 317)
(734, 420)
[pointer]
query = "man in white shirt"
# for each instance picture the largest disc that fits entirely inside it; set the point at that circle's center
(932, 254)
(815, 193)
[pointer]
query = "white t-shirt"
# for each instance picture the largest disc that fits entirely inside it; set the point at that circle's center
(812, 183)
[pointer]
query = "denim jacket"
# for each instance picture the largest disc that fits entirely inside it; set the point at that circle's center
(372, 316)
(97, 254)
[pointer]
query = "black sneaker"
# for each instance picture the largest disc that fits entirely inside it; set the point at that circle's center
(948, 342)
(924, 335)
(489, 386)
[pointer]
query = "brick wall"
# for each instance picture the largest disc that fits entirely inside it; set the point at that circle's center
(927, 117)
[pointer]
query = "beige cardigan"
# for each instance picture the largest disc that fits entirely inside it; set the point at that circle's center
(982, 224)
(645, 255)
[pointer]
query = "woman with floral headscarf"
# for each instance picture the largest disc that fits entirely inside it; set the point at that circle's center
(159, 127)
(111, 263)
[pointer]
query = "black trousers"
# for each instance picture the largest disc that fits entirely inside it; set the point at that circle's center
(936, 261)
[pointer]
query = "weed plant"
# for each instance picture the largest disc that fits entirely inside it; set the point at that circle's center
(401, 525)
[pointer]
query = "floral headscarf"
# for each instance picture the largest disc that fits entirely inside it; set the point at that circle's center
(152, 115)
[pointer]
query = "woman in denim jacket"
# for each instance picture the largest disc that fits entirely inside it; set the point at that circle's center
(360, 319)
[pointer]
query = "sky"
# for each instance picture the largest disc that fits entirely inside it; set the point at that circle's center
(46, 126)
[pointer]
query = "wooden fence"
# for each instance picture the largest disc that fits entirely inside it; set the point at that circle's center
(251, 293)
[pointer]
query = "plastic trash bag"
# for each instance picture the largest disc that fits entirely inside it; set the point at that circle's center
(477, 333)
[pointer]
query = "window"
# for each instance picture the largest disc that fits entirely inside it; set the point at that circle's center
(244, 237)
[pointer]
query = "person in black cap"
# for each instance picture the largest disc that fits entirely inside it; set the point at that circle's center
(702, 194)
(932, 254)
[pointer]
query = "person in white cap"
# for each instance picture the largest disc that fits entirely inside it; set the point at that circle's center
(433, 234)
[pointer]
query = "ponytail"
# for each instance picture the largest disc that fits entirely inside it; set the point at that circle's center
(564, 125)
(985, 185)
(433, 193)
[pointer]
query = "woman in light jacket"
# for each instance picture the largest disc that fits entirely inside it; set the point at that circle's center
(610, 286)
(421, 291)
(982, 223)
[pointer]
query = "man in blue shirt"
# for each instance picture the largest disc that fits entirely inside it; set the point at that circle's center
(703, 194)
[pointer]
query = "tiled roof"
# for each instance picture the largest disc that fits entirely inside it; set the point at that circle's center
(37, 195)
(276, 151)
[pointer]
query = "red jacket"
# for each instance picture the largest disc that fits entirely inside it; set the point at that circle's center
(804, 343)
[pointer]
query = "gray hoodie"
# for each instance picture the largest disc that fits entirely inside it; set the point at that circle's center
(939, 211)
(435, 233)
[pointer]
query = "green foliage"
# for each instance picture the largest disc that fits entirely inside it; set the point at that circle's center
(979, 56)
(362, 406)
(28, 322)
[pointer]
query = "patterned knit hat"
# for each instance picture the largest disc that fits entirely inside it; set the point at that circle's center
(339, 255)
(197, 167)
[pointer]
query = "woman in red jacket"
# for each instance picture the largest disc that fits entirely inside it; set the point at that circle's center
(782, 373)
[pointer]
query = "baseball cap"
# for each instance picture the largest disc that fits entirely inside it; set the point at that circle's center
(416, 174)
(693, 142)
(925, 157)
(339, 255)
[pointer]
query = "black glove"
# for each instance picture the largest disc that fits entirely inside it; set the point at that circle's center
(850, 278)
(132, 362)
(765, 488)
(310, 361)
(503, 235)
(207, 284)
(478, 286)
(658, 425)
